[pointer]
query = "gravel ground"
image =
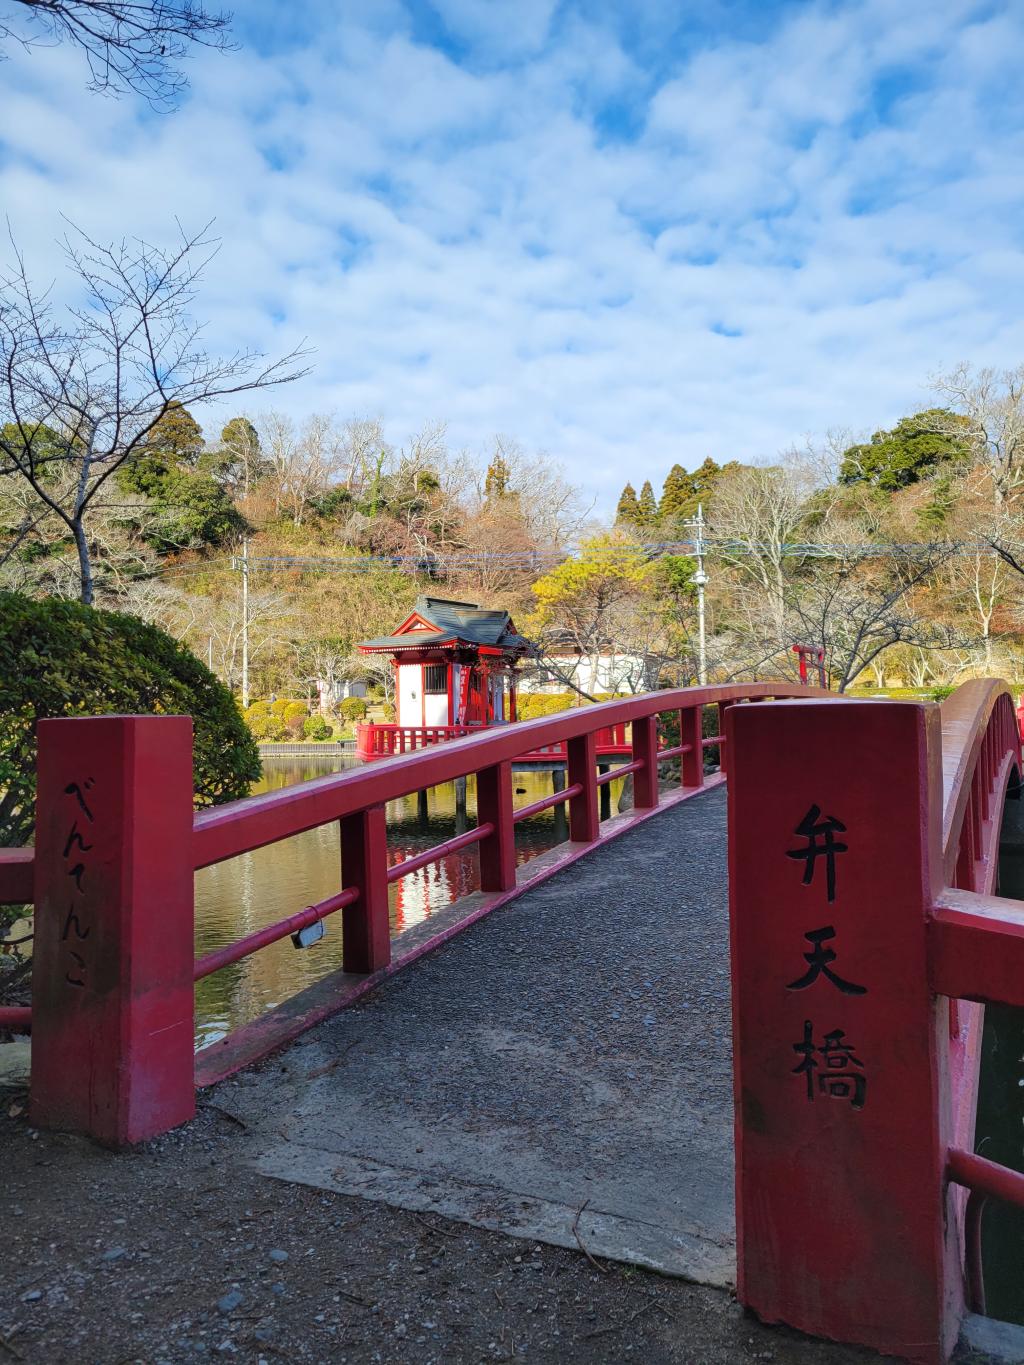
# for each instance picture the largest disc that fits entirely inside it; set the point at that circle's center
(178, 1251)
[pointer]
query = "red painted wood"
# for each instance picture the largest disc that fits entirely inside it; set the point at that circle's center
(494, 807)
(228, 830)
(112, 1011)
(721, 738)
(16, 1018)
(581, 765)
(645, 751)
(431, 855)
(546, 802)
(618, 771)
(840, 1196)
(976, 948)
(366, 931)
(690, 736)
(16, 876)
(234, 952)
(986, 1177)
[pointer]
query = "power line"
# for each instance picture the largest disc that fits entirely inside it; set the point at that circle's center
(537, 561)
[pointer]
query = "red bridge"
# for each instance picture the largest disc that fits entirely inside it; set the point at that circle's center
(866, 937)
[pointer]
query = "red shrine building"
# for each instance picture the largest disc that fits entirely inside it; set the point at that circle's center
(455, 668)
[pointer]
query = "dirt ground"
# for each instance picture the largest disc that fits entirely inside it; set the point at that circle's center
(176, 1251)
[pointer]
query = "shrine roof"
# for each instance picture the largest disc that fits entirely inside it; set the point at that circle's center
(439, 623)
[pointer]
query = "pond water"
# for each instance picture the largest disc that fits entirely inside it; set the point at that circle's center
(242, 895)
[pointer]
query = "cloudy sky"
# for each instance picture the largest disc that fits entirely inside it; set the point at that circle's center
(622, 233)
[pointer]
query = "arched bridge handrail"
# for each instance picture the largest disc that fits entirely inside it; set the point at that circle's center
(256, 821)
(966, 716)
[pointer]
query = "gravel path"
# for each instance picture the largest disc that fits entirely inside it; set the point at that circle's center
(180, 1252)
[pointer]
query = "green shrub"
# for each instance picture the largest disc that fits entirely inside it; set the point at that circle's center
(315, 727)
(258, 708)
(268, 729)
(353, 708)
(295, 710)
(530, 705)
(79, 661)
(389, 712)
(282, 704)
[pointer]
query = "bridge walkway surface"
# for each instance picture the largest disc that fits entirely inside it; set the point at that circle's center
(559, 1071)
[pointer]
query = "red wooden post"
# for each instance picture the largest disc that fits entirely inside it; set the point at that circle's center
(723, 749)
(112, 994)
(645, 750)
(840, 1053)
(691, 733)
(365, 925)
(494, 806)
(581, 761)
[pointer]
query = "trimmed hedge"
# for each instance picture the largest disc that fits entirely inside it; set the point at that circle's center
(65, 659)
(316, 728)
(353, 708)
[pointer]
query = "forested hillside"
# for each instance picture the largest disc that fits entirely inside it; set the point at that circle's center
(898, 554)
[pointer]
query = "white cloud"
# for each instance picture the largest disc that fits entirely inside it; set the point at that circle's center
(548, 233)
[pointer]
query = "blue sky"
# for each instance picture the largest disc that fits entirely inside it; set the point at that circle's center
(626, 234)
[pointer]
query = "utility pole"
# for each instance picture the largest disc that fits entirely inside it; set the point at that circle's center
(700, 578)
(245, 624)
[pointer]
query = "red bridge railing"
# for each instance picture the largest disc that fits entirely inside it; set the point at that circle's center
(866, 938)
(117, 846)
(376, 739)
(863, 846)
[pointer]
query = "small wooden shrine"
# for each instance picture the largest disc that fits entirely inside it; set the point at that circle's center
(455, 665)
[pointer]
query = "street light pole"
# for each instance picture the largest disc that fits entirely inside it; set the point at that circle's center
(700, 578)
(245, 625)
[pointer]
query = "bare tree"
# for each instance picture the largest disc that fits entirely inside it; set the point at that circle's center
(102, 378)
(130, 46)
(307, 461)
(857, 606)
(992, 401)
(755, 518)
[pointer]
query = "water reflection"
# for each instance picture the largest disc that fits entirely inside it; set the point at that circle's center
(240, 896)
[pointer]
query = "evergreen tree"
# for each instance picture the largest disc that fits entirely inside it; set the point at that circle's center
(915, 448)
(497, 479)
(188, 508)
(628, 511)
(704, 480)
(647, 506)
(676, 496)
(240, 461)
(177, 438)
